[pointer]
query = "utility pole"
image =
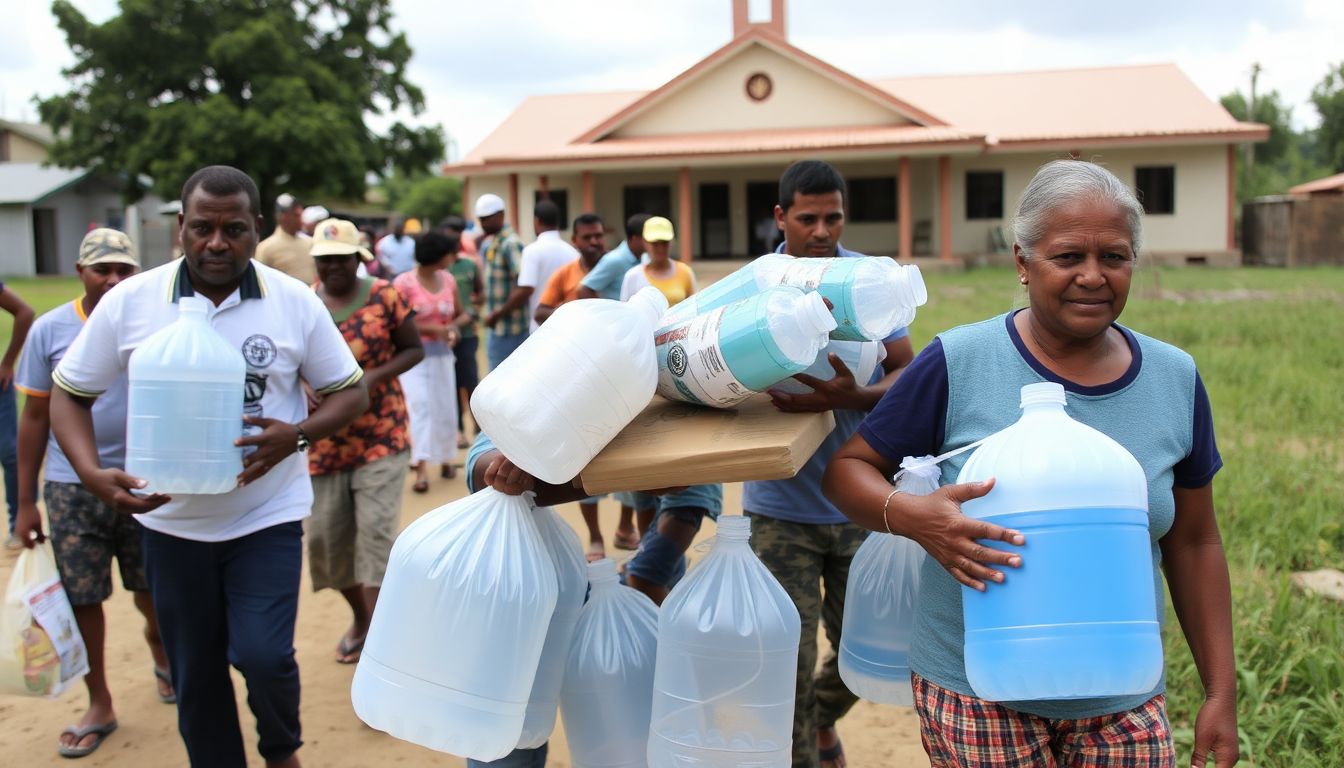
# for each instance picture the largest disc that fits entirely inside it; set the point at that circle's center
(1250, 118)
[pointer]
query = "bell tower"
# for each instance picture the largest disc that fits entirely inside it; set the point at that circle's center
(774, 25)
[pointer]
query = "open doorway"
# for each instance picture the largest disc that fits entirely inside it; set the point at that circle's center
(716, 230)
(762, 231)
(44, 242)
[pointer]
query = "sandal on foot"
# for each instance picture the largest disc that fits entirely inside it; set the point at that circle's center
(595, 552)
(165, 677)
(348, 652)
(447, 472)
(831, 754)
(628, 542)
(75, 750)
(421, 486)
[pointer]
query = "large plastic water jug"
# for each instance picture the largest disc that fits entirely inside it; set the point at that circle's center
(608, 690)
(453, 648)
(1078, 619)
(571, 576)
(861, 357)
(870, 296)
(576, 382)
(880, 603)
(727, 662)
(728, 354)
(185, 408)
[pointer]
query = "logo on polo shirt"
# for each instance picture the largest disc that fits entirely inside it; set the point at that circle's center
(259, 351)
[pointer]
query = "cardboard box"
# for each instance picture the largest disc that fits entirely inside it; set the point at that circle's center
(671, 444)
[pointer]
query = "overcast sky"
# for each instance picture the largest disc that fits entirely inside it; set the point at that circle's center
(477, 61)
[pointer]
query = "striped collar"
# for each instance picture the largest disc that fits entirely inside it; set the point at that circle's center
(251, 287)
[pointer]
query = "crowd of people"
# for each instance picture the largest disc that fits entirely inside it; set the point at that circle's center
(362, 356)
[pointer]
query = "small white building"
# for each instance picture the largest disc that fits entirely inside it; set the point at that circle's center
(934, 164)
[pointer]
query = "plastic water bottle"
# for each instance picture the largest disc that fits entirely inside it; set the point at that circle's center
(185, 407)
(727, 662)
(574, 384)
(870, 296)
(861, 357)
(452, 652)
(1078, 619)
(571, 576)
(728, 354)
(608, 688)
(880, 599)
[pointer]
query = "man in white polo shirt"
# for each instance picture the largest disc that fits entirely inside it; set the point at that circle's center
(224, 569)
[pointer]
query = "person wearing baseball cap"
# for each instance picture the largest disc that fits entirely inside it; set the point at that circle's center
(86, 532)
(287, 249)
(506, 304)
(674, 279)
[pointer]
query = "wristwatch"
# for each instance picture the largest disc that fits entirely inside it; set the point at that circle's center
(304, 443)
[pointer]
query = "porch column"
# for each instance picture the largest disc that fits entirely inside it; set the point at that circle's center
(944, 208)
(514, 213)
(684, 212)
(588, 201)
(544, 186)
(1231, 197)
(903, 195)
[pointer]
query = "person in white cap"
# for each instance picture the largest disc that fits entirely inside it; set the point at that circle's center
(86, 533)
(286, 249)
(311, 216)
(506, 305)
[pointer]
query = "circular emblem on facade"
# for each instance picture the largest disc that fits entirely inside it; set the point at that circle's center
(759, 86)
(676, 360)
(259, 351)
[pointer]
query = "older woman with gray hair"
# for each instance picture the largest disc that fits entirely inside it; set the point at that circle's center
(1078, 232)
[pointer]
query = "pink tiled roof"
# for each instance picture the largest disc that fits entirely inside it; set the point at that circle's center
(1328, 184)
(1155, 100)
(1055, 107)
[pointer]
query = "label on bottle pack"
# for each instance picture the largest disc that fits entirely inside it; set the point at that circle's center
(799, 273)
(691, 367)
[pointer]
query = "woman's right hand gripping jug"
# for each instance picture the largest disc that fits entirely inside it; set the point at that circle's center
(727, 659)
(1078, 619)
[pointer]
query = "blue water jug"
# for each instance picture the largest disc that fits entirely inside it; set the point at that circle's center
(1079, 618)
(729, 354)
(185, 407)
(723, 686)
(870, 296)
(880, 603)
(608, 689)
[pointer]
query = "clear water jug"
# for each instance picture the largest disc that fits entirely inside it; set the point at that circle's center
(870, 296)
(728, 354)
(880, 602)
(727, 662)
(861, 357)
(571, 576)
(1078, 619)
(185, 407)
(608, 688)
(453, 649)
(574, 384)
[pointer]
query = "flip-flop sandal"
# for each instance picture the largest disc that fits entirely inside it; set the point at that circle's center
(74, 750)
(628, 543)
(165, 677)
(831, 754)
(595, 552)
(348, 652)
(447, 472)
(421, 486)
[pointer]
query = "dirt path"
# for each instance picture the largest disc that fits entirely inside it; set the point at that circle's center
(334, 737)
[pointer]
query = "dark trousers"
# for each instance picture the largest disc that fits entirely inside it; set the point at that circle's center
(9, 454)
(230, 602)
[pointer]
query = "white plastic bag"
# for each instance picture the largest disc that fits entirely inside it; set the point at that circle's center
(41, 650)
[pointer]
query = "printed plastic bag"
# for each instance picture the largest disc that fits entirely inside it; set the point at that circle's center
(41, 650)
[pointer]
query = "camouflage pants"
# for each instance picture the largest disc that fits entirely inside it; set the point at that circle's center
(812, 562)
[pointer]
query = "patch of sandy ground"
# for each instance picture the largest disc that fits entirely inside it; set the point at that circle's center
(333, 736)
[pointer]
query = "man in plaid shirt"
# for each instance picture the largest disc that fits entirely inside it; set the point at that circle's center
(505, 302)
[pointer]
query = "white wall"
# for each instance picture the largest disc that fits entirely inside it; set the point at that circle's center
(16, 232)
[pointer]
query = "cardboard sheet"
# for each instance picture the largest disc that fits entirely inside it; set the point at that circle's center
(671, 444)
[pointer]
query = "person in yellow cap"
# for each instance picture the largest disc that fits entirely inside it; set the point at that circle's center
(359, 472)
(675, 279)
(287, 249)
(86, 533)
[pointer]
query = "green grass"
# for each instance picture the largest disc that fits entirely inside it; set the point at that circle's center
(1270, 346)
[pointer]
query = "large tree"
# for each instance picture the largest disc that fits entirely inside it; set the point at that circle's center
(278, 88)
(1284, 159)
(1328, 96)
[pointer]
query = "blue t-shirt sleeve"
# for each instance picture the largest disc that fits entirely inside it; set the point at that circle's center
(606, 275)
(34, 375)
(1197, 469)
(482, 446)
(911, 418)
